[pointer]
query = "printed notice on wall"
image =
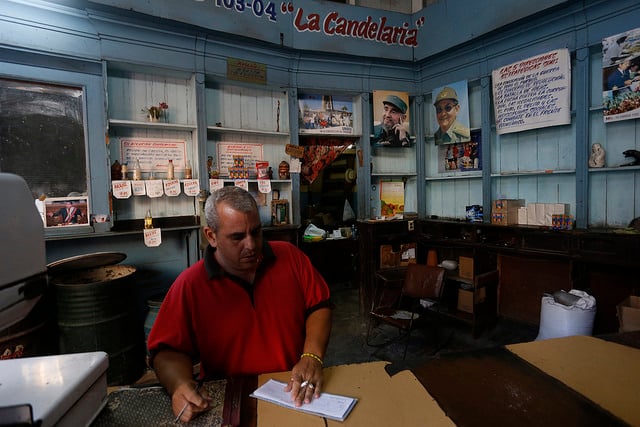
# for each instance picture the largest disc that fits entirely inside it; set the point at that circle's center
(240, 156)
(153, 154)
(533, 93)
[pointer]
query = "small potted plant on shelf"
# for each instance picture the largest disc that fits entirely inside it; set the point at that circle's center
(155, 112)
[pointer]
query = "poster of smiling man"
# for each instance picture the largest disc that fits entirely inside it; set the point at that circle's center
(621, 76)
(391, 119)
(451, 110)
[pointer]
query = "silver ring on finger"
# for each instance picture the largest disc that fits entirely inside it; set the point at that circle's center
(311, 386)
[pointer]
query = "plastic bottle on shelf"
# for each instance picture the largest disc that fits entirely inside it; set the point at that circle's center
(170, 170)
(123, 171)
(148, 220)
(137, 171)
(188, 174)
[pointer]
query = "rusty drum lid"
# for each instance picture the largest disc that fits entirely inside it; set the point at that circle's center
(87, 261)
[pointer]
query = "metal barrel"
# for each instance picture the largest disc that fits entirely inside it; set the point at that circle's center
(95, 312)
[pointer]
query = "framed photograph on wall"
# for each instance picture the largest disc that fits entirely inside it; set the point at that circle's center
(279, 212)
(621, 76)
(451, 112)
(325, 114)
(391, 119)
(462, 156)
(66, 211)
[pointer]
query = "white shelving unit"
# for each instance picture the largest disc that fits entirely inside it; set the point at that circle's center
(248, 114)
(130, 91)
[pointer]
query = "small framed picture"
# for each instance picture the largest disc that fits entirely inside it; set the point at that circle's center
(279, 212)
(66, 211)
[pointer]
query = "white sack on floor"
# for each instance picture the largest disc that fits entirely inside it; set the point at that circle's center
(559, 320)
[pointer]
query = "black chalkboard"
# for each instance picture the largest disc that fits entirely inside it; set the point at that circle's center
(42, 137)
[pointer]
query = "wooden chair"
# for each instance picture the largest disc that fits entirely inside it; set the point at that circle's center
(421, 282)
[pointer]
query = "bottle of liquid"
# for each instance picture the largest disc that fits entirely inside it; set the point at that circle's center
(170, 170)
(123, 171)
(116, 170)
(137, 171)
(188, 174)
(148, 220)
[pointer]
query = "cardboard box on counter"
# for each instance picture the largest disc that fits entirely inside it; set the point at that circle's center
(522, 216)
(505, 217)
(542, 214)
(507, 205)
(629, 314)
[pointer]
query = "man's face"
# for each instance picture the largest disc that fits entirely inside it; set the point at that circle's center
(446, 113)
(391, 116)
(238, 240)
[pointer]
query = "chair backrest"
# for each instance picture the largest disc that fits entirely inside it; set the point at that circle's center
(423, 281)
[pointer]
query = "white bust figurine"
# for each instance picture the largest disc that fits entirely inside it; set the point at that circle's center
(596, 160)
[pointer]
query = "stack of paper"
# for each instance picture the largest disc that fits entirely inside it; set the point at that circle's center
(330, 406)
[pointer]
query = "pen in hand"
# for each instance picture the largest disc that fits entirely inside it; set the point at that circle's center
(184, 408)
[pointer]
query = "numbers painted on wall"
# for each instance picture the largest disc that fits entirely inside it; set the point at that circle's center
(259, 8)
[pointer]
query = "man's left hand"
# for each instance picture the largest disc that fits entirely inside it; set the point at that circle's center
(306, 381)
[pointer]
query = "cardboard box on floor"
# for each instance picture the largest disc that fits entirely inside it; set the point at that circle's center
(629, 314)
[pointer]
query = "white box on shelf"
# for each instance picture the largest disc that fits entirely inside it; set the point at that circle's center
(549, 210)
(522, 215)
(531, 214)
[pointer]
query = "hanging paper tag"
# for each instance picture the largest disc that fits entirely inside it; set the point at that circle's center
(295, 166)
(121, 189)
(264, 186)
(242, 183)
(191, 187)
(154, 187)
(152, 237)
(215, 184)
(139, 188)
(171, 187)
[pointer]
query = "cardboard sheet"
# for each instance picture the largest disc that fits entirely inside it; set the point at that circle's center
(382, 400)
(604, 372)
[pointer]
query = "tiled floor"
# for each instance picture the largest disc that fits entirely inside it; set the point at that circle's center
(348, 336)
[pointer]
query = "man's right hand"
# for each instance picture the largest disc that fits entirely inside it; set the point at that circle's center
(189, 400)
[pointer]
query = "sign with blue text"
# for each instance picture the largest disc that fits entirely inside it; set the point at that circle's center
(533, 93)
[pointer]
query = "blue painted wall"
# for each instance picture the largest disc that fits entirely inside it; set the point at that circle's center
(73, 42)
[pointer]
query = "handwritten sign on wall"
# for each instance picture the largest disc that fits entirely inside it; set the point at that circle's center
(533, 93)
(153, 154)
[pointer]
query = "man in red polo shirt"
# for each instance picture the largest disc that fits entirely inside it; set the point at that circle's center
(248, 307)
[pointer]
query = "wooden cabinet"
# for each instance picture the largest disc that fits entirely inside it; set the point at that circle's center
(533, 260)
(470, 292)
(371, 235)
